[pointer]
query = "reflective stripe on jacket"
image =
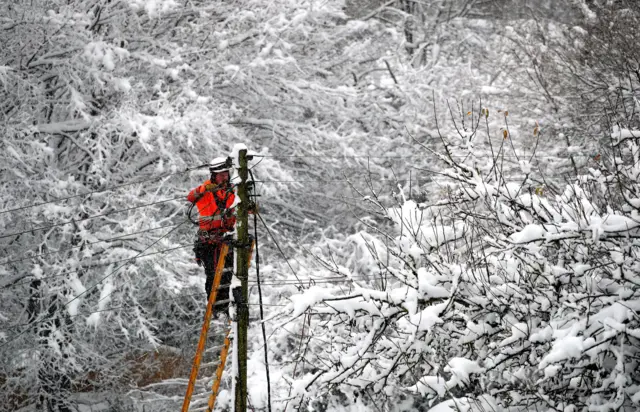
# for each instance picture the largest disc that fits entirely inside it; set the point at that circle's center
(211, 216)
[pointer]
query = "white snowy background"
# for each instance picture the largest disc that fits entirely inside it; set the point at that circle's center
(451, 190)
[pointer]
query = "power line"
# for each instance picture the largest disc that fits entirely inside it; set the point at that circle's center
(154, 300)
(96, 265)
(313, 181)
(331, 181)
(280, 282)
(25, 257)
(372, 179)
(55, 200)
(252, 282)
(149, 300)
(37, 322)
(90, 217)
(106, 189)
(277, 245)
(283, 282)
(21, 281)
(314, 281)
(421, 156)
(262, 326)
(118, 186)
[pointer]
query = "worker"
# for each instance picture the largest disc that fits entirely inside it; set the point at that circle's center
(215, 200)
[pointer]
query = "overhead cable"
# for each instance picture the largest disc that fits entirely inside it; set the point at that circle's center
(56, 251)
(278, 246)
(36, 229)
(106, 189)
(264, 331)
(421, 156)
(74, 298)
(96, 265)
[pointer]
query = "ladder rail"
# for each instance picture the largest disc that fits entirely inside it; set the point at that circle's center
(216, 382)
(215, 387)
(205, 327)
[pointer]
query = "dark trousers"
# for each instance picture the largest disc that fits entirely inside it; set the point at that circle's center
(209, 253)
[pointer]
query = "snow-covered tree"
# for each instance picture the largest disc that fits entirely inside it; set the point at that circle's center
(106, 104)
(581, 74)
(98, 131)
(493, 295)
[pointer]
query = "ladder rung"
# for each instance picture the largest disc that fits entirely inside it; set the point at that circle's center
(216, 353)
(214, 349)
(198, 397)
(200, 400)
(201, 349)
(221, 302)
(216, 363)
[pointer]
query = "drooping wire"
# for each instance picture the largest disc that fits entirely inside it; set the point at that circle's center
(18, 281)
(275, 242)
(329, 156)
(51, 252)
(280, 249)
(37, 322)
(36, 229)
(264, 332)
(106, 189)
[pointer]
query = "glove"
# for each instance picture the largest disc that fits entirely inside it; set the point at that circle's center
(253, 208)
(197, 250)
(210, 187)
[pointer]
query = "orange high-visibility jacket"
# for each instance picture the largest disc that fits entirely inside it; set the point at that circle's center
(211, 207)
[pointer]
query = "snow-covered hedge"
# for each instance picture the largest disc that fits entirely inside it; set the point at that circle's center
(498, 295)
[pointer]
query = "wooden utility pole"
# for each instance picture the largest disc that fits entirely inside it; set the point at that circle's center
(241, 294)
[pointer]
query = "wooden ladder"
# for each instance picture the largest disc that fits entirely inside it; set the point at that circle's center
(224, 350)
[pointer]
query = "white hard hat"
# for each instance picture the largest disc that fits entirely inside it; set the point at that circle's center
(219, 164)
(218, 161)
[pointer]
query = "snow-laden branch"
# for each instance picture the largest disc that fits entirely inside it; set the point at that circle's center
(500, 288)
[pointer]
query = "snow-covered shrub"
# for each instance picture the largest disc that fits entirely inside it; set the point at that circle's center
(496, 294)
(583, 73)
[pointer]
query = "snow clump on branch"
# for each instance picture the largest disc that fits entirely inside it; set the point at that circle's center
(495, 295)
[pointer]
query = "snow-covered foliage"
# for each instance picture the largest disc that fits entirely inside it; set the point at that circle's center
(100, 122)
(491, 296)
(580, 77)
(105, 104)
